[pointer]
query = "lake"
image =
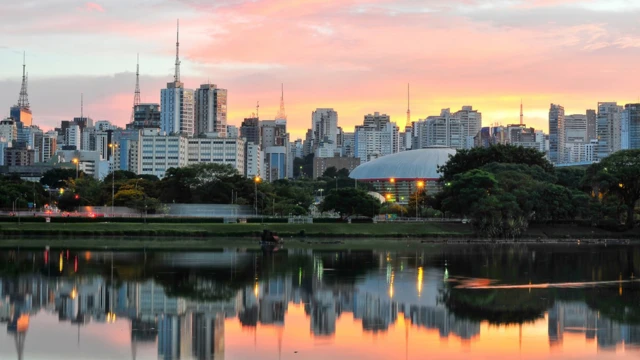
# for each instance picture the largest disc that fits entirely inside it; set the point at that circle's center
(422, 301)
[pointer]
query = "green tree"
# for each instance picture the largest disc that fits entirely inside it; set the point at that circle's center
(55, 178)
(469, 159)
(330, 172)
(349, 201)
(466, 189)
(618, 175)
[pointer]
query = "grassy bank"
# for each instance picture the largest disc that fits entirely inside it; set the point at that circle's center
(429, 230)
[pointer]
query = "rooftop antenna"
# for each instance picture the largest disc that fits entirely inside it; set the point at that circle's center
(136, 94)
(23, 100)
(258, 110)
(521, 114)
(281, 113)
(176, 76)
(408, 106)
(81, 106)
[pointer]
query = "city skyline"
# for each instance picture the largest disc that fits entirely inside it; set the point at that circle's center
(256, 46)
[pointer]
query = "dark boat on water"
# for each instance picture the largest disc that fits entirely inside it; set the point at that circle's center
(269, 240)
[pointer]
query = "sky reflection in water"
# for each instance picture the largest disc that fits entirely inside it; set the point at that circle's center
(444, 302)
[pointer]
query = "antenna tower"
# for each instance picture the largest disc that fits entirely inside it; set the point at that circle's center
(136, 94)
(408, 107)
(81, 106)
(23, 100)
(281, 113)
(258, 110)
(521, 114)
(176, 76)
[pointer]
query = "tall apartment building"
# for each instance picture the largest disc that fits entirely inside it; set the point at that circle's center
(556, 133)
(592, 132)
(176, 114)
(273, 133)
(217, 150)
(146, 116)
(576, 128)
(49, 146)
(73, 136)
(250, 130)
(19, 157)
(471, 123)
(9, 130)
(126, 152)
(376, 120)
(371, 143)
(254, 162)
(324, 123)
(631, 120)
(443, 130)
(210, 110)
(233, 131)
(609, 128)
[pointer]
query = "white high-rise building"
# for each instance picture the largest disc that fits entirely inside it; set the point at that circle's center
(158, 152)
(254, 162)
(177, 105)
(73, 136)
(575, 128)
(233, 131)
(217, 150)
(471, 123)
(49, 145)
(444, 130)
(609, 128)
(9, 130)
(210, 110)
(371, 143)
(324, 124)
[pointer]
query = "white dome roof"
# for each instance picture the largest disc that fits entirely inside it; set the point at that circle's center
(412, 164)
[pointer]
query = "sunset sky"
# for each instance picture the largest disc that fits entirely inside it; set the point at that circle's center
(356, 56)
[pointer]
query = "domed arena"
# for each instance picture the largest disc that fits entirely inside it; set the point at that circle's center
(399, 175)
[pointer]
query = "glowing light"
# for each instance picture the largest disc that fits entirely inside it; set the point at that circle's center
(388, 196)
(111, 317)
(61, 266)
(391, 284)
(392, 180)
(420, 184)
(75, 264)
(257, 179)
(420, 276)
(75, 161)
(74, 294)
(87, 255)
(299, 276)
(256, 290)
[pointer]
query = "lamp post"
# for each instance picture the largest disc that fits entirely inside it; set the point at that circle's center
(15, 207)
(420, 186)
(256, 180)
(77, 162)
(113, 176)
(136, 187)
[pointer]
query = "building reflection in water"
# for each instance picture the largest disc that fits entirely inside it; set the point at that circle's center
(193, 326)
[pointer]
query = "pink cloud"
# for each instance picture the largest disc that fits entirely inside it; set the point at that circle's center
(93, 7)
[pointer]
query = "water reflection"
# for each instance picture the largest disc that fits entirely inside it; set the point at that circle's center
(440, 301)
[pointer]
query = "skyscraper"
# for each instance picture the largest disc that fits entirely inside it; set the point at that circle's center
(609, 128)
(325, 125)
(631, 117)
(250, 130)
(471, 123)
(145, 116)
(177, 103)
(211, 110)
(556, 133)
(592, 133)
(443, 130)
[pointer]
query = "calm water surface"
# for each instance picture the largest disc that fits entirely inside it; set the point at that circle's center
(436, 302)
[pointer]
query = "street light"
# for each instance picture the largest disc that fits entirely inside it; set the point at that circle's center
(256, 180)
(77, 162)
(113, 175)
(420, 185)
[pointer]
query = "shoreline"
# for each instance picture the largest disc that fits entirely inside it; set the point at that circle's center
(216, 235)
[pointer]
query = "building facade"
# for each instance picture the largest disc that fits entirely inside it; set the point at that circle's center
(210, 110)
(556, 133)
(217, 150)
(470, 122)
(324, 123)
(320, 165)
(146, 116)
(158, 152)
(177, 110)
(609, 128)
(631, 117)
(19, 157)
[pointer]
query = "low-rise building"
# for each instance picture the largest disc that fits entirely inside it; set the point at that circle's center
(320, 165)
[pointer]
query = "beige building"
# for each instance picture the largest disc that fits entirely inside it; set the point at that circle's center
(322, 164)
